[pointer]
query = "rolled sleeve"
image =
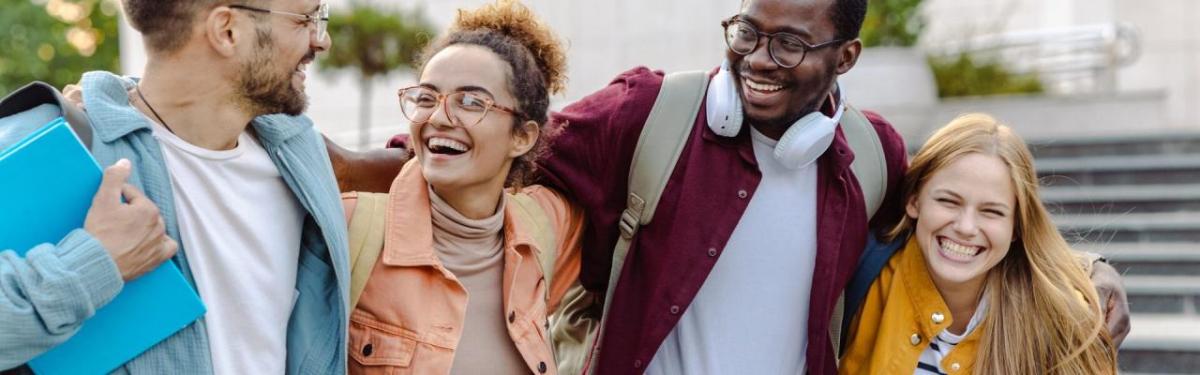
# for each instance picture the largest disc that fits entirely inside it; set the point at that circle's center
(47, 295)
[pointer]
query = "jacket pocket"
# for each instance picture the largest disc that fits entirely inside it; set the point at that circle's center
(376, 346)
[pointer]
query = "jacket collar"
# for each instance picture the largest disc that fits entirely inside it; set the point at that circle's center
(926, 300)
(409, 239)
(106, 97)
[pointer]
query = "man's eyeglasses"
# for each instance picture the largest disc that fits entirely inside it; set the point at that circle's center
(463, 108)
(786, 49)
(318, 20)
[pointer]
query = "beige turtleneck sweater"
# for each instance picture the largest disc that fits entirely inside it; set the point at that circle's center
(473, 250)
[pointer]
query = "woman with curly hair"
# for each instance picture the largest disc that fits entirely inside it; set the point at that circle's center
(457, 287)
(984, 282)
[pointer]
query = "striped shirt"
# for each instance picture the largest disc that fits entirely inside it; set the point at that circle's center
(942, 344)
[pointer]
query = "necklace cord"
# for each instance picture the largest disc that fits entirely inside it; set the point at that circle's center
(147, 103)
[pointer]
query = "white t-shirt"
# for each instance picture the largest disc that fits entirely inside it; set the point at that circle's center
(751, 314)
(240, 227)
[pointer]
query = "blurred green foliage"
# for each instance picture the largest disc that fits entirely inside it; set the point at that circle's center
(896, 23)
(56, 41)
(372, 42)
(967, 75)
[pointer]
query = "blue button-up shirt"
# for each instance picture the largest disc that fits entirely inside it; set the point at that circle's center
(82, 278)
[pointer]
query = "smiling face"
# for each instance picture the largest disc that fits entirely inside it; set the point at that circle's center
(775, 97)
(454, 158)
(271, 78)
(965, 219)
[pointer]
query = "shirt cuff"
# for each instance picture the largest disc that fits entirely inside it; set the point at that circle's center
(81, 253)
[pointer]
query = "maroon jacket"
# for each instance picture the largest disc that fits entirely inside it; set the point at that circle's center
(703, 201)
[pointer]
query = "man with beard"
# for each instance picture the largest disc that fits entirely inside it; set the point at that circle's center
(757, 231)
(249, 197)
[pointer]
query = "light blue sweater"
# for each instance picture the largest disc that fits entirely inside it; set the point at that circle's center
(46, 296)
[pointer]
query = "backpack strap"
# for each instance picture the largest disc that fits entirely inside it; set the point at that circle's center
(666, 131)
(367, 224)
(874, 258)
(531, 215)
(870, 169)
(870, 164)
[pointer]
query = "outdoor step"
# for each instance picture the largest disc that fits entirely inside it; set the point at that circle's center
(1120, 170)
(1161, 344)
(1131, 227)
(1144, 251)
(1168, 143)
(1162, 285)
(1152, 258)
(1119, 163)
(1091, 199)
(1118, 193)
(1174, 295)
(1119, 177)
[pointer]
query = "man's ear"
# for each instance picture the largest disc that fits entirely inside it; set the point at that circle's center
(220, 31)
(524, 139)
(848, 55)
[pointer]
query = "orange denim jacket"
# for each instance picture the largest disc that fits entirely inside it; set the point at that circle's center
(897, 322)
(412, 311)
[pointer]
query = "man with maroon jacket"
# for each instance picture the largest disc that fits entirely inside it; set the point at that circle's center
(756, 233)
(731, 276)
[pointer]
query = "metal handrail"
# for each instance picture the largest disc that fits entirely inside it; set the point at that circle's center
(1067, 60)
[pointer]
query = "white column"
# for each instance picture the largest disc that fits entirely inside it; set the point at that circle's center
(133, 54)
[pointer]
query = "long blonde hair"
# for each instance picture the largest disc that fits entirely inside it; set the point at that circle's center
(1037, 322)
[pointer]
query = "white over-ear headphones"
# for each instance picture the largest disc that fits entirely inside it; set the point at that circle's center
(803, 142)
(808, 138)
(724, 106)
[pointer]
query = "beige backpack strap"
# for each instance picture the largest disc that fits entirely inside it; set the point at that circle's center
(870, 164)
(666, 131)
(367, 226)
(870, 168)
(533, 216)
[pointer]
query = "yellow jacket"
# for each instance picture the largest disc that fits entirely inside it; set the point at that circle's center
(901, 313)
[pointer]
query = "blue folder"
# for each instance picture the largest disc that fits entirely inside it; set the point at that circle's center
(49, 179)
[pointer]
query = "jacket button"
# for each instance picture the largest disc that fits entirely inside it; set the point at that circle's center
(542, 367)
(955, 367)
(712, 251)
(367, 350)
(743, 194)
(674, 309)
(512, 316)
(637, 364)
(915, 339)
(938, 318)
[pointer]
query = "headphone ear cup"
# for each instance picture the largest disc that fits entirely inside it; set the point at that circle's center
(805, 140)
(723, 106)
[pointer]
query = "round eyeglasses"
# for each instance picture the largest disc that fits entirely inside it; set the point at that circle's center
(317, 21)
(463, 108)
(786, 49)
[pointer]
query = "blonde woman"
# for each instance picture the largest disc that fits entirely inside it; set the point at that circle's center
(985, 283)
(459, 287)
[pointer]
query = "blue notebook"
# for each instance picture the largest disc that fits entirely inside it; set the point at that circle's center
(49, 180)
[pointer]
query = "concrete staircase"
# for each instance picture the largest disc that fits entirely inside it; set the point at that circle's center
(1136, 199)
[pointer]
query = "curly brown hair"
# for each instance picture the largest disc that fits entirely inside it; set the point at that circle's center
(537, 58)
